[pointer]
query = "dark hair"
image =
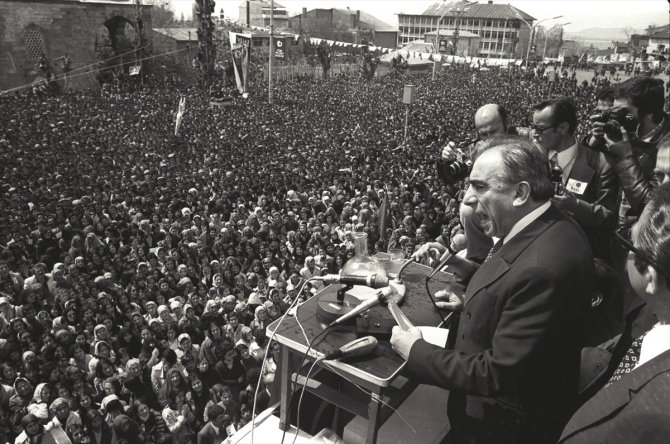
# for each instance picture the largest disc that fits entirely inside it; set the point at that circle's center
(524, 161)
(652, 233)
(502, 112)
(172, 398)
(606, 94)
(645, 93)
(215, 411)
(562, 110)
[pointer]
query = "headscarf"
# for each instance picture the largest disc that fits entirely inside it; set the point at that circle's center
(97, 345)
(21, 378)
(98, 330)
(38, 405)
(26, 354)
(57, 403)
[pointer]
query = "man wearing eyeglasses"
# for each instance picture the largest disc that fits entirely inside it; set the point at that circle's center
(590, 186)
(634, 405)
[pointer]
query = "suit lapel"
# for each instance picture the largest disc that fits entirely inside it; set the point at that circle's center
(500, 263)
(581, 172)
(612, 398)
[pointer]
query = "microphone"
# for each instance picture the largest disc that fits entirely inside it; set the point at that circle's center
(358, 347)
(381, 296)
(372, 280)
(458, 243)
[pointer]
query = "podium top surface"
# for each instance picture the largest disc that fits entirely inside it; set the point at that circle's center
(382, 367)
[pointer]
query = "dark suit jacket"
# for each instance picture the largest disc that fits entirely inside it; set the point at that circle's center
(209, 436)
(515, 364)
(599, 363)
(596, 187)
(635, 409)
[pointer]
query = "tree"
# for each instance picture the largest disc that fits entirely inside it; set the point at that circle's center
(162, 14)
(628, 31)
(650, 29)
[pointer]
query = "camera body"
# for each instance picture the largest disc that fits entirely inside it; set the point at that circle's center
(614, 120)
(456, 167)
(556, 177)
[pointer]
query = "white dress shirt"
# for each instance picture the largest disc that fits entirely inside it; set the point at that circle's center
(526, 220)
(566, 159)
(655, 342)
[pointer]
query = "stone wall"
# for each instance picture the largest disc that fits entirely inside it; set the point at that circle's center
(68, 27)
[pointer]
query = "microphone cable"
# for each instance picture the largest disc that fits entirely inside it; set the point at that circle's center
(304, 358)
(265, 357)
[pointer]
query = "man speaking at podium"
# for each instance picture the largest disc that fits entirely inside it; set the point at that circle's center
(513, 371)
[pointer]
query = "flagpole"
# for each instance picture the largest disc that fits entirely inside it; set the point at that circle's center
(272, 13)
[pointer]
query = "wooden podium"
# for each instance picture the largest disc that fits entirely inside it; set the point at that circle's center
(377, 373)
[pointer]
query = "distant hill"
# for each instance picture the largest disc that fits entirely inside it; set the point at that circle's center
(601, 34)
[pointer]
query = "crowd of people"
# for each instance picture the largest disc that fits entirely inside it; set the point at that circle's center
(139, 270)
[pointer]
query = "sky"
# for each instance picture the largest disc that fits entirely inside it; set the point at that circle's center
(581, 14)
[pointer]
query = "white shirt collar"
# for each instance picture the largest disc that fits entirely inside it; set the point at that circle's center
(655, 342)
(527, 220)
(566, 159)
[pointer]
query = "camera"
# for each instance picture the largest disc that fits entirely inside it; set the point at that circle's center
(455, 168)
(614, 119)
(557, 180)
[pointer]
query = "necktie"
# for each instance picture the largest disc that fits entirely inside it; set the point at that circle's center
(629, 360)
(554, 160)
(494, 249)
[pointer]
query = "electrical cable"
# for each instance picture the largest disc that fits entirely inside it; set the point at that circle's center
(62, 76)
(302, 392)
(370, 394)
(304, 358)
(265, 357)
(432, 299)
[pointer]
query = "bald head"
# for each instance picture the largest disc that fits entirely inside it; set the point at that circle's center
(490, 119)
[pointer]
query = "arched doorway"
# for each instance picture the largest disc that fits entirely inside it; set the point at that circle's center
(115, 42)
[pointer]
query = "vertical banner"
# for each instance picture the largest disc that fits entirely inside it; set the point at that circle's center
(279, 44)
(239, 45)
(237, 53)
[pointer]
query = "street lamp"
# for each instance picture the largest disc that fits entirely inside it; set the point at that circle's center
(546, 36)
(532, 29)
(459, 10)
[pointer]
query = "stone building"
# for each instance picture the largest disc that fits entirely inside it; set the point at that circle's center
(344, 25)
(504, 30)
(83, 31)
(258, 12)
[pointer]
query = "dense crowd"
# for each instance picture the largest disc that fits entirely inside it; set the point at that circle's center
(139, 270)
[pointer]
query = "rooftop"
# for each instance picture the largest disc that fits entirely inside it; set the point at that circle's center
(179, 34)
(477, 10)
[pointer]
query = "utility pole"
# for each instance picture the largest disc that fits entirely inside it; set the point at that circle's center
(272, 13)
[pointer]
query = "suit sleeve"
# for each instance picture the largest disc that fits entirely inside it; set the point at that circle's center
(524, 323)
(636, 186)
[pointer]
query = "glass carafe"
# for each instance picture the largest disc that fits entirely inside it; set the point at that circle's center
(362, 264)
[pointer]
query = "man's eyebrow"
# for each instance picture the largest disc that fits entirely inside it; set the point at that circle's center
(478, 183)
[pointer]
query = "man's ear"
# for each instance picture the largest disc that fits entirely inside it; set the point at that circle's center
(655, 280)
(522, 195)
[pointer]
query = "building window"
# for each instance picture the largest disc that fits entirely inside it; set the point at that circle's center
(34, 43)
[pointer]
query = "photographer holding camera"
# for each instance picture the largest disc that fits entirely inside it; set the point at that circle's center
(629, 134)
(455, 165)
(586, 185)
